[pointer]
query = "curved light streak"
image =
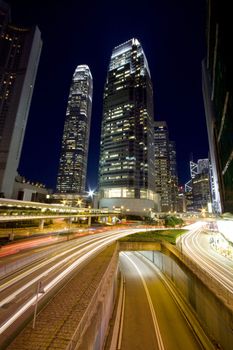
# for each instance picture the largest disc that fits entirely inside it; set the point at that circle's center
(62, 275)
(192, 248)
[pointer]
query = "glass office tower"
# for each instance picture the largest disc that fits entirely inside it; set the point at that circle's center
(75, 143)
(20, 50)
(126, 169)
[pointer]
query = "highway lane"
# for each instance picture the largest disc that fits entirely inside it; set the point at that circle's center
(56, 252)
(195, 244)
(18, 291)
(152, 318)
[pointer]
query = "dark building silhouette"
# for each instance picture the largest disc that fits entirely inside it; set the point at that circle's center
(217, 71)
(20, 50)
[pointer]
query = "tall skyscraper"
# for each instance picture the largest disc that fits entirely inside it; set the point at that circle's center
(165, 167)
(126, 169)
(218, 99)
(20, 50)
(75, 143)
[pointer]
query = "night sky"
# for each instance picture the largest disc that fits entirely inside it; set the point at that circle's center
(172, 34)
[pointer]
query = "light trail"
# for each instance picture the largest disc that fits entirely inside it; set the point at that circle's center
(100, 245)
(16, 247)
(44, 263)
(46, 272)
(191, 246)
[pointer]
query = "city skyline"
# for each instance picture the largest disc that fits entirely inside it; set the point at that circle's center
(173, 39)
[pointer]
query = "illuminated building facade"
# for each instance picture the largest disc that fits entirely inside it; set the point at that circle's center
(218, 99)
(201, 184)
(174, 175)
(20, 50)
(126, 169)
(75, 143)
(198, 189)
(165, 167)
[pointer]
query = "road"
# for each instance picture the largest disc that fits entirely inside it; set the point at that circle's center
(196, 245)
(152, 318)
(18, 290)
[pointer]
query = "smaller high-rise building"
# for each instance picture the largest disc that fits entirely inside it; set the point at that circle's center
(201, 192)
(75, 143)
(166, 183)
(174, 175)
(20, 50)
(198, 190)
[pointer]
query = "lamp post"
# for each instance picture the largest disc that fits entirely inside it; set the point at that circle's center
(39, 289)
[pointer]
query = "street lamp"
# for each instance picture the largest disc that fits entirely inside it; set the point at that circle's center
(39, 290)
(90, 193)
(79, 202)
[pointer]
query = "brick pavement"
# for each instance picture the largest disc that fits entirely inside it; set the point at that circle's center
(57, 321)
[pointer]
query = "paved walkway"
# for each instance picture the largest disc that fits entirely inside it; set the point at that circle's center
(57, 321)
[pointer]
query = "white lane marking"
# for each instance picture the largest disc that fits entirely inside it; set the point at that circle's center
(154, 318)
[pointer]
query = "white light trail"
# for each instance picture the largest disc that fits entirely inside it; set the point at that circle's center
(63, 274)
(190, 245)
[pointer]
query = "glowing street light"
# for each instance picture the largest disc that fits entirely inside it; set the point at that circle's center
(79, 202)
(90, 193)
(64, 202)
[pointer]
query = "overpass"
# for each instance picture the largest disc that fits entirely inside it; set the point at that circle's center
(16, 210)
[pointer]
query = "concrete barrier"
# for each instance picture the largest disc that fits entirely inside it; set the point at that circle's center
(213, 312)
(92, 328)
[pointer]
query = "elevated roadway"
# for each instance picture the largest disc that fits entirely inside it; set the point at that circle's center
(13, 210)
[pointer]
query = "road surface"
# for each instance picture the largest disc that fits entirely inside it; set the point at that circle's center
(152, 318)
